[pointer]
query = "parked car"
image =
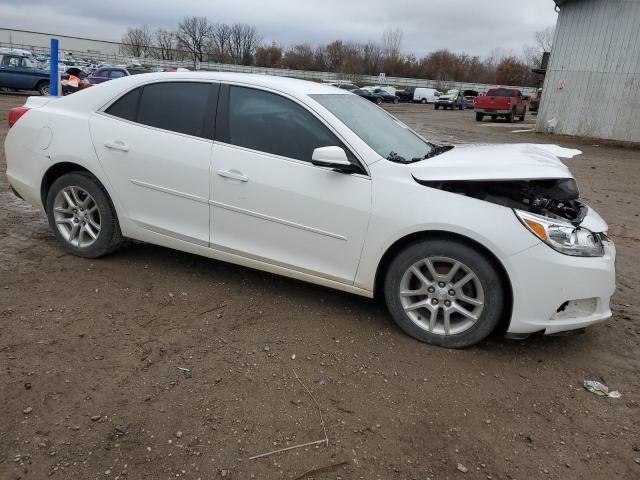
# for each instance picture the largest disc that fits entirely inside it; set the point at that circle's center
(406, 94)
(386, 96)
(369, 95)
(470, 98)
(104, 74)
(20, 72)
(501, 102)
(534, 102)
(345, 86)
(426, 95)
(451, 100)
(308, 181)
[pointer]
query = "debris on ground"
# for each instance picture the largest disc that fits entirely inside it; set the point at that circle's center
(600, 389)
(315, 471)
(187, 373)
(462, 468)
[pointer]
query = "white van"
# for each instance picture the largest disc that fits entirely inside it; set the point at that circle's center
(426, 95)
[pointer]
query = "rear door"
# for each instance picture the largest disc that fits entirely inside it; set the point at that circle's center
(269, 203)
(154, 144)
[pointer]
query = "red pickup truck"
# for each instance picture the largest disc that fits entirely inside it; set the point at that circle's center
(501, 102)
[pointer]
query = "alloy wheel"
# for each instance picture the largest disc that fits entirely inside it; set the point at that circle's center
(77, 216)
(441, 295)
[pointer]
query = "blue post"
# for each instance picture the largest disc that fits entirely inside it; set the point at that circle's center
(53, 65)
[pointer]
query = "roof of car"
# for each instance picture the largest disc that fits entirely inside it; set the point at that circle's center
(96, 96)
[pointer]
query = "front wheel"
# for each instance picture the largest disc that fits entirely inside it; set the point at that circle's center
(445, 293)
(378, 101)
(395, 100)
(82, 216)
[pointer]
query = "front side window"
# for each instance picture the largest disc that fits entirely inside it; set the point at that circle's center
(117, 74)
(100, 73)
(175, 106)
(273, 124)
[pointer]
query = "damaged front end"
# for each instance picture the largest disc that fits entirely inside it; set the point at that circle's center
(548, 208)
(553, 198)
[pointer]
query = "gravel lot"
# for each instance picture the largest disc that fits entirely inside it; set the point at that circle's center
(90, 350)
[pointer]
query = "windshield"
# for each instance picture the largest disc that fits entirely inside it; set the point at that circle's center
(385, 134)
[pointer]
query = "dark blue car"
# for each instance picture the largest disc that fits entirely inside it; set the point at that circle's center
(19, 72)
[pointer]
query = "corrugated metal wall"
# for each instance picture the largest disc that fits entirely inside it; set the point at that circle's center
(592, 87)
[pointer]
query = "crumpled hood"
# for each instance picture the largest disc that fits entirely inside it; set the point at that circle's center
(519, 161)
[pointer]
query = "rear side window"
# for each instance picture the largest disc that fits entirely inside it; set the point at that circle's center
(176, 106)
(500, 92)
(127, 106)
(273, 124)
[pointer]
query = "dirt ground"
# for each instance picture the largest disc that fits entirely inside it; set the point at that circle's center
(90, 385)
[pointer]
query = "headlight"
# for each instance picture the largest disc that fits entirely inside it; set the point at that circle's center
(562, 236)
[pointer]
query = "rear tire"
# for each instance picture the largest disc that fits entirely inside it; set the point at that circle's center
(43, 88)
(437, 107)
(82, 217)
(395, 101)
(479, 117)
(378, 101)
(424, 100)
(521, 118)
(511, 117)
(484, 288)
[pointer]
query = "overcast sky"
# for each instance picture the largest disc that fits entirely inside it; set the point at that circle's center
(472, 26)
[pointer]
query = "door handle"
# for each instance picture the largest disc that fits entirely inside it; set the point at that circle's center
(233, 174)
(116, 145)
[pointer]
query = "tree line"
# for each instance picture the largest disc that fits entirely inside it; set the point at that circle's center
(199, 40)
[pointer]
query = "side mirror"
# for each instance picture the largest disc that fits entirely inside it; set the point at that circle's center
(332, 157)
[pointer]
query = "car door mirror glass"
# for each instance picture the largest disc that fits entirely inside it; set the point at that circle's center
(334, 157)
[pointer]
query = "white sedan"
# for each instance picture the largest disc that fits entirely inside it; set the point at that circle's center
(315, 183)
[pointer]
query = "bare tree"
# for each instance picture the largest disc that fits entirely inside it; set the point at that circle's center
(220, 41)
(193, 35)
(136, 41)
(243, 41)
(544, 39)
(391, 42)
(165, 44)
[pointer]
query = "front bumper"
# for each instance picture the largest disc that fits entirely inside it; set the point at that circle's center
(556, 293)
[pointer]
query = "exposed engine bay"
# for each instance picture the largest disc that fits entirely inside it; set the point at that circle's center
(553, 198)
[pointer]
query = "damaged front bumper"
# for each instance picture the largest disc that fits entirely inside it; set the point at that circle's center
(556, 293)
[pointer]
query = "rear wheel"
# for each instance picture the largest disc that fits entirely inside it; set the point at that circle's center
(395, 100)
(82, 216)
(479, 117)
(511, 117)
(524, 113)
(378, 101)
(437, 107)
(444, 292)
(43, 88)
(424, 100)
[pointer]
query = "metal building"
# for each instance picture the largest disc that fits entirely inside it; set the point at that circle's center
(592, 86)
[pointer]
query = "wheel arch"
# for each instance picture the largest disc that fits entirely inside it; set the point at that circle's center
(427, 235)
(56, 170)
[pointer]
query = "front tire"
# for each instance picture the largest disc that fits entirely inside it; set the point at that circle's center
(445, 293)
(378, 101)
(82, 216)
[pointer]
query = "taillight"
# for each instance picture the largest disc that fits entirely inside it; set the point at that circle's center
(15, 114)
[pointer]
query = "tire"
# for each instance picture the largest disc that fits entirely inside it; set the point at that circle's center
(395, 101)
(43, 88)
(485, 287)
(94, 213)
(479, 117)
(378, 101)
(511, 117)
(493, 118)
(521, 118)
(437, 107)
(423, 101)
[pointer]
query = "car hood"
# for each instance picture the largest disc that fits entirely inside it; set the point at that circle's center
(496, 162)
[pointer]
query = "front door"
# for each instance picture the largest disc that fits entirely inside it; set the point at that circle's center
(153, 146)
(269, 202)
